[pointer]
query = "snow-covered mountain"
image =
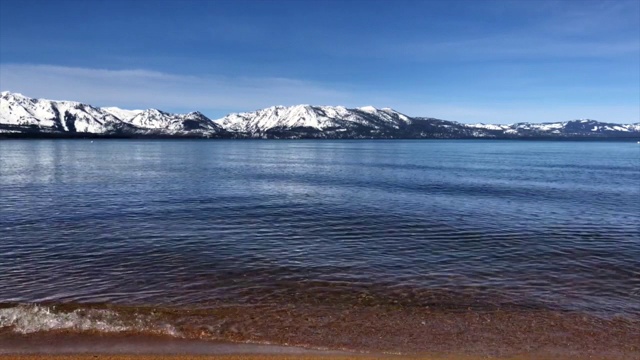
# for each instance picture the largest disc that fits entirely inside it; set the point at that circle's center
(307, 118)
(62, 116)
(122, 113)
(153, 119)
(23, 116)
(582, 127)
(306, 121)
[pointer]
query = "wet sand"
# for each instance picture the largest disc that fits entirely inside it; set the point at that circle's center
(365, 332)
(67, 346)
(333, 331)
(283, 357)
(63, 343)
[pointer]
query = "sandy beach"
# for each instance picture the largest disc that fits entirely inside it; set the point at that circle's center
(288, 357)
(82, 347)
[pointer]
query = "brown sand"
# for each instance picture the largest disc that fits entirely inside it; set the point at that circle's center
(466, 336)
(282, 357)
(78, 347)
(126, 347)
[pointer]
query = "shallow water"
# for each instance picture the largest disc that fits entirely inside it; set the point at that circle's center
(252, 233)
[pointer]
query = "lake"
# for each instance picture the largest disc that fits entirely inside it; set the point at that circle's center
(389, 245)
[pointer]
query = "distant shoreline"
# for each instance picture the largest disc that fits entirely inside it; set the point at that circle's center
(83, 136)
(68, 119)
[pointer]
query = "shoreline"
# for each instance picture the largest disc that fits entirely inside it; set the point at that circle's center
(368, 331)
(242, 356)
(67, 343)
(70, 346)
(88, 136)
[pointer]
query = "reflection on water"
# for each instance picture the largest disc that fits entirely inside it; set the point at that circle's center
(449, 225)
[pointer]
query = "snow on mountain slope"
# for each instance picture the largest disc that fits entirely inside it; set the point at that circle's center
(581, 126)
(631, 127)
(153, 119)
(122, 114)
(386, 113)
(23, 115)
(488, 126)
(315, 117)
(17, 109)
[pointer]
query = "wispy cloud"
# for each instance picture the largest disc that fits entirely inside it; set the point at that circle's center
(588, 18)
(145, 89)
(216, 96)
(516, 46)
(549, 30)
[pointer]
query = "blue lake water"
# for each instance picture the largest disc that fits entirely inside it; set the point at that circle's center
(484, 225)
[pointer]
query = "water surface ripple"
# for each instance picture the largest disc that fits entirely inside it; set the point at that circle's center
(452, 225)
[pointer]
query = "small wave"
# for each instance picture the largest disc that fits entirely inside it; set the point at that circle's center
(368, 326)
(26, 319)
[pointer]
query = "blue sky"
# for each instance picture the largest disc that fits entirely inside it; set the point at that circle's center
(469, 61)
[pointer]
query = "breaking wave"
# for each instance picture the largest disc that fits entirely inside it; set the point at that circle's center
(367, 326)
(26, 319)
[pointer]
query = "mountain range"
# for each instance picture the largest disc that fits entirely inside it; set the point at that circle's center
(21, 116)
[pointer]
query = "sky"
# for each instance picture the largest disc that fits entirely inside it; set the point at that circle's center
(468, 61)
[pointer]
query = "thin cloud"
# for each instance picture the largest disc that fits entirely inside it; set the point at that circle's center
(146, 89)
(519, 47)
(553, 31)
(217, 96)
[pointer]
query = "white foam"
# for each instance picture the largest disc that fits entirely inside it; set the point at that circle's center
(26, 319)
